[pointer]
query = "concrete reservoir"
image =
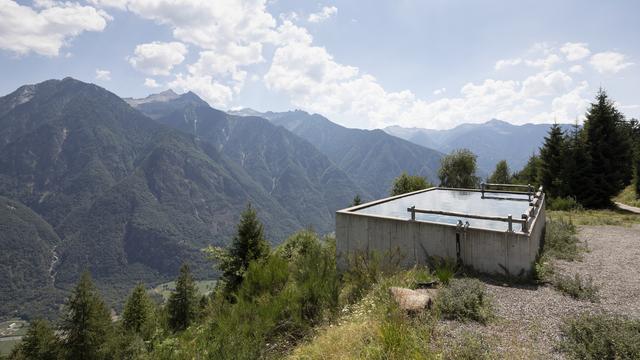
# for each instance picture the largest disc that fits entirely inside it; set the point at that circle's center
(491, 230)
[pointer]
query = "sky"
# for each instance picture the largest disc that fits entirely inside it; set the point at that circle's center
(363, 64)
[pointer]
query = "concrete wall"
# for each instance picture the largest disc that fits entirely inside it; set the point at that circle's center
(487, 251)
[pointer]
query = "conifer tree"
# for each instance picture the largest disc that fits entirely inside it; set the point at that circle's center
(501, 174)
(637, 183)
(182, 306)
(87, 324)
(609, 148)
(577, 166)
(39, 343)
(356, 200)
(552, 162)
(138, 316)
(248, 245)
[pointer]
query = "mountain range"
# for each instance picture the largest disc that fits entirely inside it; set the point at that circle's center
(129, 189)
(492, 141)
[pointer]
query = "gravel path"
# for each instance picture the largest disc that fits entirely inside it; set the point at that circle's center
(529, 317)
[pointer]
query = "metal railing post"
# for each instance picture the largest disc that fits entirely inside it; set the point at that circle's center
(510, 228)
(525, 225)
(413, 212)
(482, 189)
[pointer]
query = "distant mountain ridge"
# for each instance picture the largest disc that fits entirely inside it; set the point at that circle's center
(293, 171)
(372, 158)
(492, 141)
(130, 198)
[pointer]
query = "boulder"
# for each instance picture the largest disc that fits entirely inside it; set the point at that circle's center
(413, 300)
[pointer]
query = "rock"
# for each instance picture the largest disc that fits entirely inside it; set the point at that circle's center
(413, 300)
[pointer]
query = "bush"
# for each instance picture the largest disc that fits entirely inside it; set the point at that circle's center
(365, 270)
(600, 336)
(279, 301)
(577, 287)
(563, 204)
(465, 299)
(561, 242)
(444, 268)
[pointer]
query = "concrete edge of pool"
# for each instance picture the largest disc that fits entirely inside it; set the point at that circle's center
(416, 241)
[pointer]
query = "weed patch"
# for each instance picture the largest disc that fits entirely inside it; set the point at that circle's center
(581, 288)
(465, 299)
(600, 337)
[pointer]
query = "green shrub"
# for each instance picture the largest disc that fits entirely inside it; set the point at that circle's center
(278, 302)
(577, 287)
(465, 299)
(444, 268)
(561, 241)
(563, 204)
(600, 336)
(364, 271)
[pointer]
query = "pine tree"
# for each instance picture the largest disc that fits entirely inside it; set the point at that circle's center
(39, 343)
(501, 175)
(637, 183)
(248, 245)
(577, 166)
(609, 148)
(552, 162)
(182, 306)
(356, 200)
(87, 324)
(138, 316)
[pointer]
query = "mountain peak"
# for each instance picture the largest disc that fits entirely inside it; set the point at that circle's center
(497, 122)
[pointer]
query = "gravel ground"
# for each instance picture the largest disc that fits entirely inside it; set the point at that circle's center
(528, 317)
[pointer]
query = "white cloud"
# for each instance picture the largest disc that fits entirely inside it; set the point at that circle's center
(501, 64)
(576, 69)
(151, 83)
(104, 75)
(568, 107)
(158, 58)
(546, 83)
(544, 63)
(48, 28)
(118, 4)
(575, 51)
(323, 14)
(216, 94)
(439, 91)
(609, 62)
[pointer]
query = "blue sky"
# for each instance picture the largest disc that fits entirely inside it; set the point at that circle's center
(367, 64)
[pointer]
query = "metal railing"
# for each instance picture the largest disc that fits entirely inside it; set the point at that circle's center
(508, 219)
(535, 200)
(484, 187)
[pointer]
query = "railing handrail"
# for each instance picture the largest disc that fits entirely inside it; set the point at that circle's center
(509, 219)
(509, 185)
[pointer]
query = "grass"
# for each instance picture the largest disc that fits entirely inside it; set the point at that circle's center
(165, 289)
(470, 346)
(581, 288)
(561, 241)
(628, 197)
(600, 336)
(597, 217)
